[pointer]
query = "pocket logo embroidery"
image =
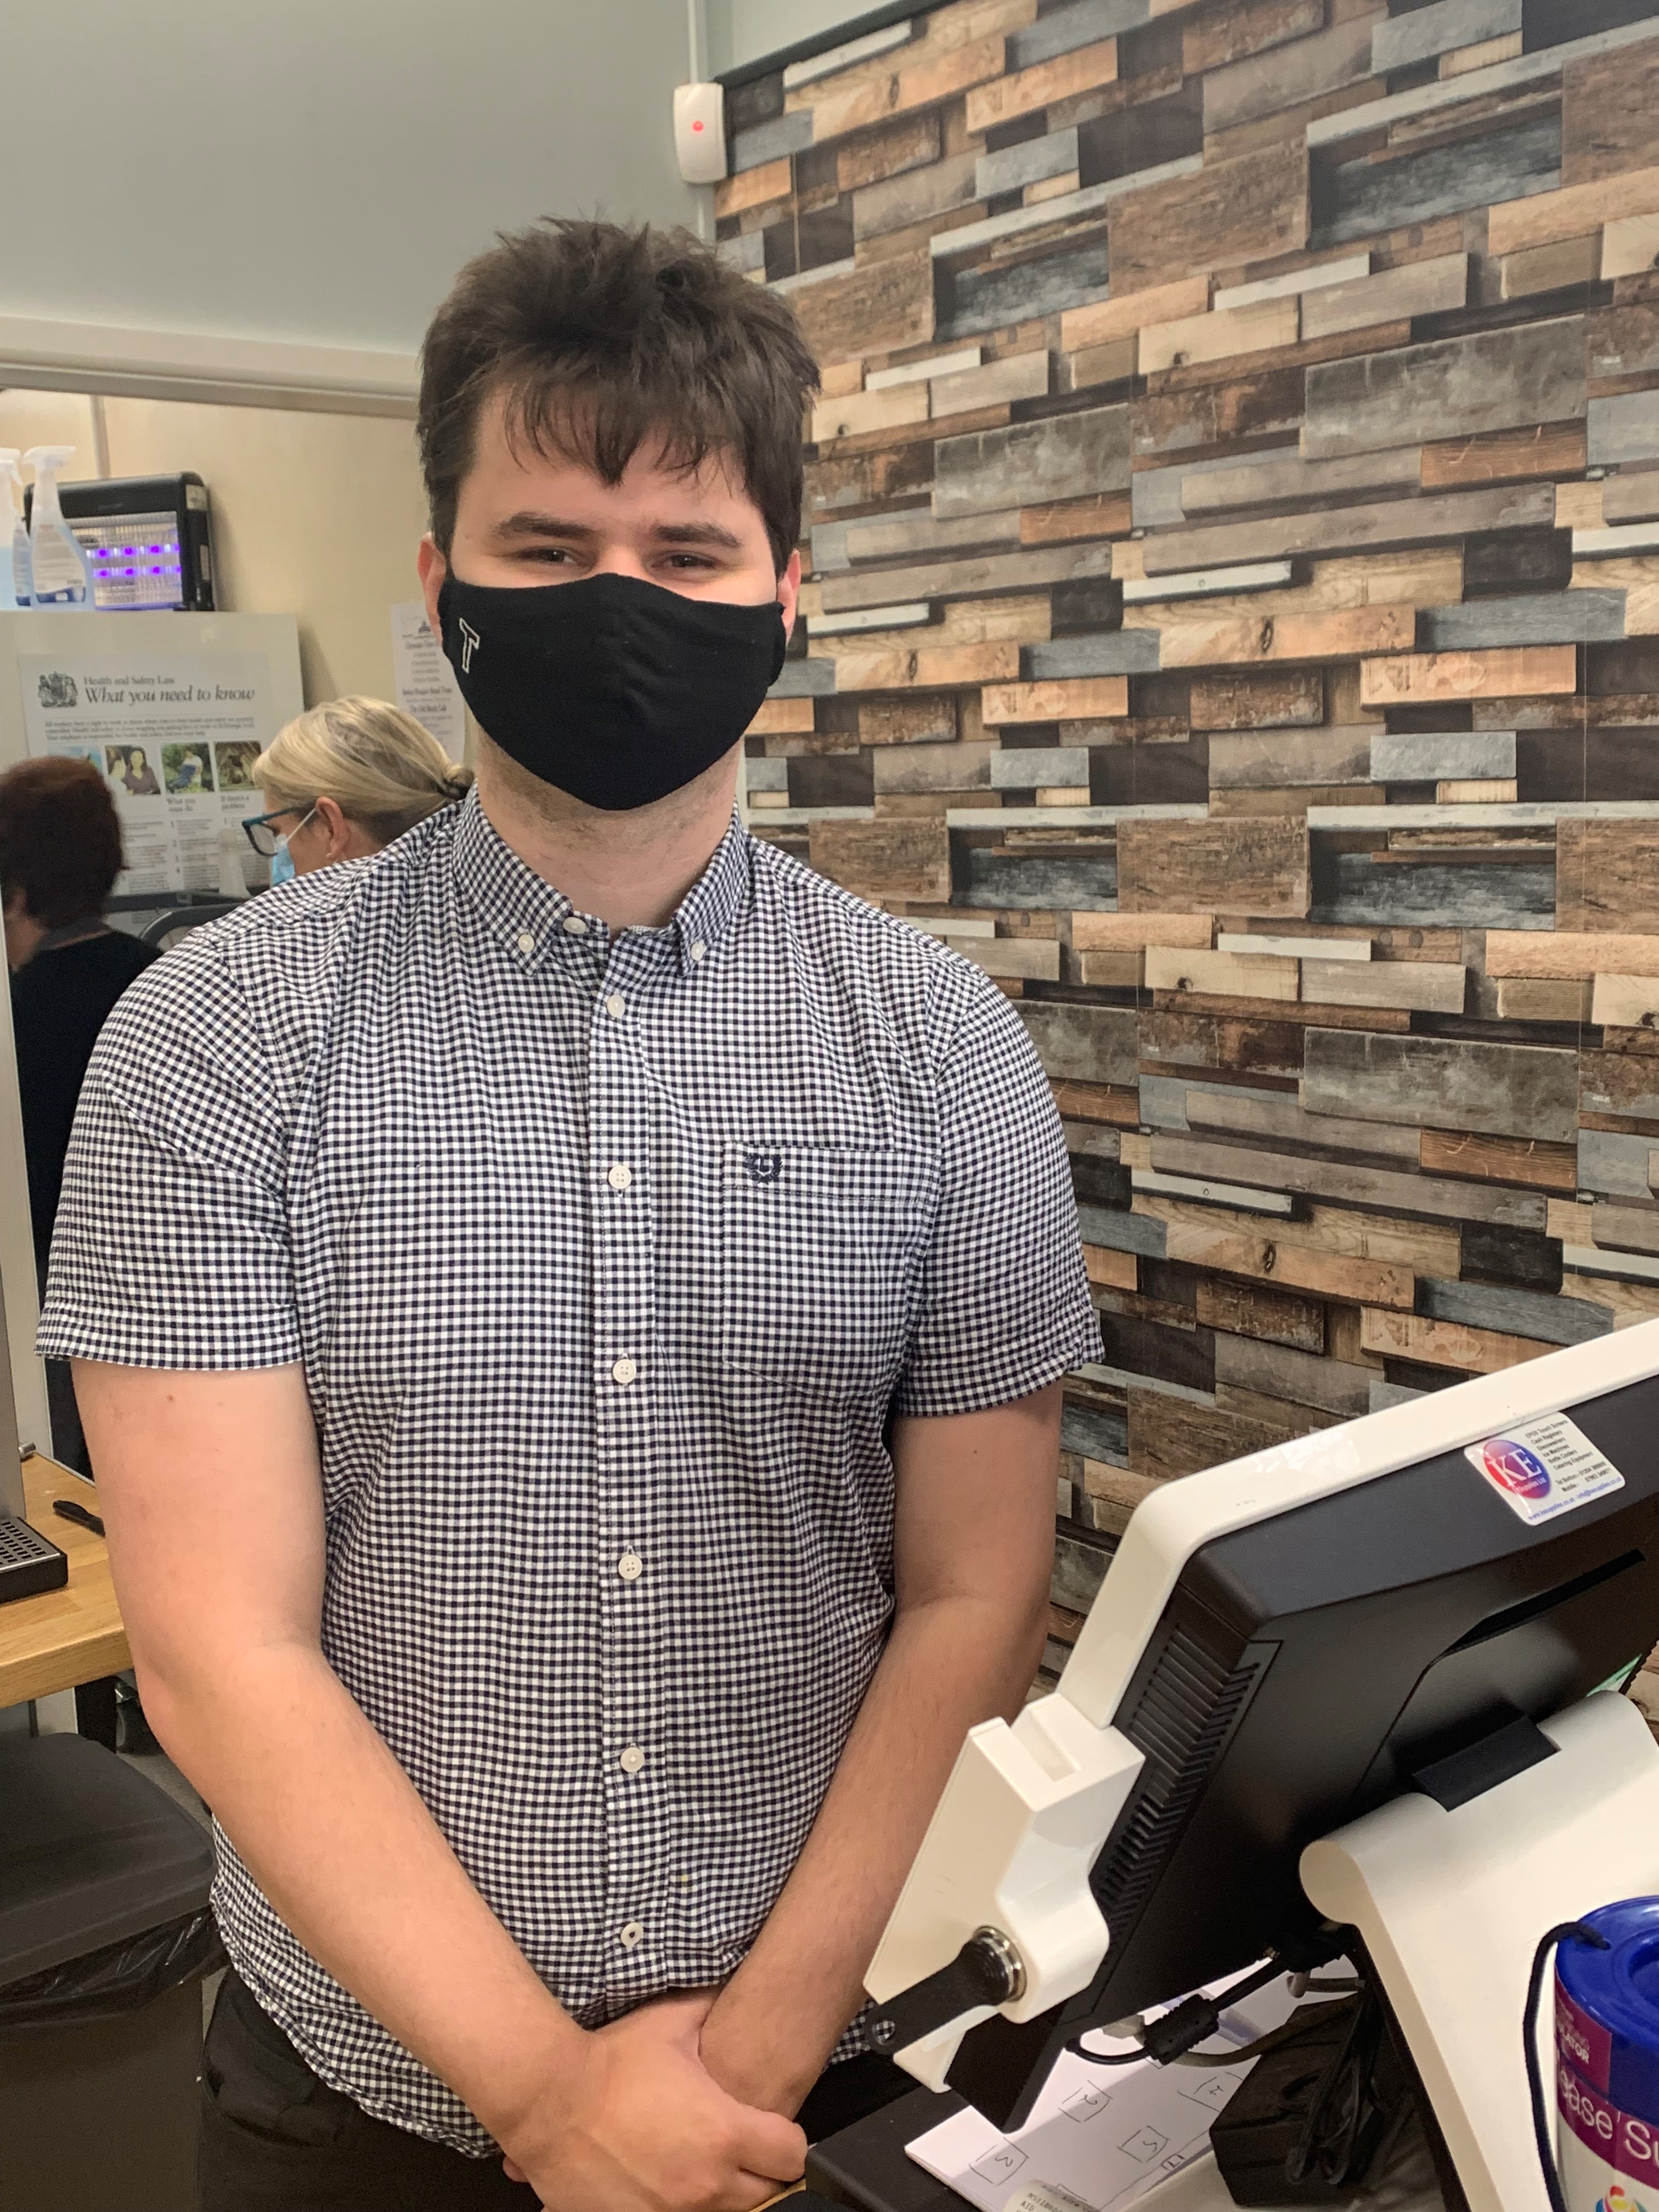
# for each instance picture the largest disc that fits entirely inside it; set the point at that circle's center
(762, 1167)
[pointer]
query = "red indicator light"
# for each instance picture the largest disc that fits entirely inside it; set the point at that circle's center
(696, 126)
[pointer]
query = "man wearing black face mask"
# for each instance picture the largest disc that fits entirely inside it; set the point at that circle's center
(569, 1315)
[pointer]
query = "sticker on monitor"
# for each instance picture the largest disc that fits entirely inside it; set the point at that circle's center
(1543, 1467)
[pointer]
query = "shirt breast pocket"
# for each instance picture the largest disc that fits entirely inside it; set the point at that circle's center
(820, 1249)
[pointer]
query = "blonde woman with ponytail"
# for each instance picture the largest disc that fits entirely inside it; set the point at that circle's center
(344, 779)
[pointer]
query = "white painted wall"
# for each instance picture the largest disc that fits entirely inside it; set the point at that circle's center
(314, 171)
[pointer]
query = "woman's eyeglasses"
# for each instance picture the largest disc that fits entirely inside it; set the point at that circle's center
(264, 833)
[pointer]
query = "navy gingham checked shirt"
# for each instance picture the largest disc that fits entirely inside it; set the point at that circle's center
(607, 1257)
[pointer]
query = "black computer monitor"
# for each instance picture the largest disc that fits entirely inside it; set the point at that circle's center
(1316, 1662)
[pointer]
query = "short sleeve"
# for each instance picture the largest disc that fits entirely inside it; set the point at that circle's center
(1005, 1300)
(171, 1248)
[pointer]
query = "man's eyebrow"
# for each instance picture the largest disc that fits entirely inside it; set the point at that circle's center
(697, 533)
(530, 522)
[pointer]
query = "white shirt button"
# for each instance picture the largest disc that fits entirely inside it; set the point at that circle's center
(620, 1176)
(698, 950)
(574, 926)
(624, 1371)
(630, 1566)
(526, 942)
(632, 1759)
(616, 1005)
(630, 1934)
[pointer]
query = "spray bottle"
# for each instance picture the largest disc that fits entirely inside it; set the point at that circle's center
(17, 589)
(59, 569)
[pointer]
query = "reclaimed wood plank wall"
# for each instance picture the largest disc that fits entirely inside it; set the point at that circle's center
(1232, 620)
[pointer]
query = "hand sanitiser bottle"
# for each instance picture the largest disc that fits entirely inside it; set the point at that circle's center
(15, 587)
(59, 570)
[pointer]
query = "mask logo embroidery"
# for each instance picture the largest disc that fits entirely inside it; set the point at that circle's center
(469, 638)
(762, 1167)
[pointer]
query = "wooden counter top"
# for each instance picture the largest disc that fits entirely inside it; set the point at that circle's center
(65, 1636)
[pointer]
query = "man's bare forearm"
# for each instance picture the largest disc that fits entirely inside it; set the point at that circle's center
(335, 1834)
(948, 1665)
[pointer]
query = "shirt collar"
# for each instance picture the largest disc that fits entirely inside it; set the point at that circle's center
(516, 902)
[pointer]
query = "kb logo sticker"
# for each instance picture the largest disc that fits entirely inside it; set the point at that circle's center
(762, 1167)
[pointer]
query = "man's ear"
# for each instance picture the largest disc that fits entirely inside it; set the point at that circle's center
(789, 593)
(431, 568)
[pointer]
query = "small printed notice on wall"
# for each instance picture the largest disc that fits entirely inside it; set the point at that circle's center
(426, 683)
(175, 735)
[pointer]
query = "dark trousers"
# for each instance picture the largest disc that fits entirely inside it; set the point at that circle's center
(275, 2139)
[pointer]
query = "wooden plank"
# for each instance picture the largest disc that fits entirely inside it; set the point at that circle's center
(1117, 1271)
(915, 196)
(1122, 931)
(1573, 212)
(1108, 652)
(1552, 450)
(911, 767)
(927, 668)
(1626, 1002)
(891, 537)
(1229, 975)
(1304, 70)
(1279, 480)
(1293, 1265)
(1033, 161)
(754, 187)
(1606, 116)
(1082, 1044)
(1440, 29)
(999, 295)
(1632, 496)
(1169, 1438)
(1494, 381)
(1063, 521)
(1533, 1314)
(1027, 90)
(1607, 876)
(1529, 999)
(1042, 882)
(876, 309)
(1085, 699)
(1500, 1159)
(1284, 1120)
(1337, 1182)
(1105, 320)
(1549, 268)
(1114, 1104)
(1022, 769)
(973, 576)
(1230, 212)
(1433, 756)
(1249, 27)
(1340, 528)
(1016, 376)
(1421, 288)
(875, 98)
(1345, 270)
(1414, 680)
(1625, 1228)
(1570, 953)
(1210, 415)
(1233, 642)
(1366, 198)
(1618, 1082)
(1580, 617)
(1260, 700)
(1623, 341)
(910, 143)
(1424, 894)
(1063, 456)
(886, 860)
(1254, 866)
(907, 721)
(1630, 246)
(1444, 1344)
(860, 411)
(1282, 1371)
(1489, 51)
(1258, 759)
(1500, 1090)
(1418, 986)
(1260, 329)
(775, 716)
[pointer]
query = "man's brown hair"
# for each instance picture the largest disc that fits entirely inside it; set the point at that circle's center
(60, 839)
(601, 340)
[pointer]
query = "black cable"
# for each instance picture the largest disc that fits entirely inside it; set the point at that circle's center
(1174, 2034)
(1569, 1932)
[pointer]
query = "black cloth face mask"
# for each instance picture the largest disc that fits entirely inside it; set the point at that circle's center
(613, 689)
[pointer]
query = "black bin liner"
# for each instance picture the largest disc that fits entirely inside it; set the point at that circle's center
(115, 1981)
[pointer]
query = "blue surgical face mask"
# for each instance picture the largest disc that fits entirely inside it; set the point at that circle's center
(282, 869)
